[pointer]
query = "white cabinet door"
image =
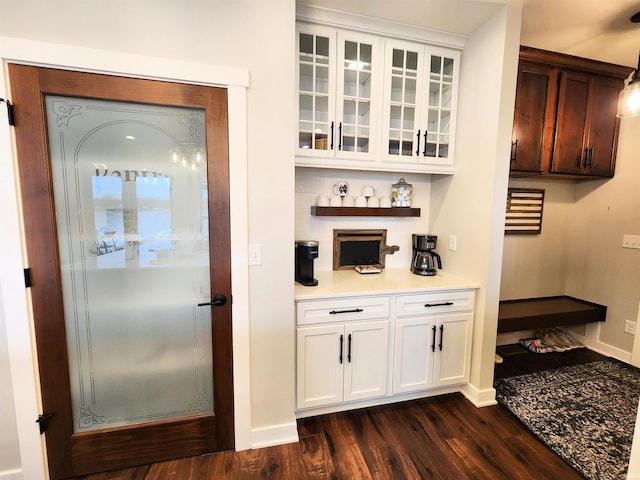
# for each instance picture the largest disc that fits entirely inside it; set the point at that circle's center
(415, 340)
(339, 97)
(419, 110)
(320, 365)
(453, 349)
(316, 50)
(366, 352)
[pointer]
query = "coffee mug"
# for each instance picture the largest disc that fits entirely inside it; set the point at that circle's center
(322, 201)
(373, 202)
(385, 202)
(341, 188)
(336, 201)
(368, 191)
(361, 201)
(348, 201)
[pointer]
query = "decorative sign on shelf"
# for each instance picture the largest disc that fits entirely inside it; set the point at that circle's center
(524, 211)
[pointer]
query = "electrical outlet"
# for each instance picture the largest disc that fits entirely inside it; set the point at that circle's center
(631, 241)
(630, 327)
(453, 242)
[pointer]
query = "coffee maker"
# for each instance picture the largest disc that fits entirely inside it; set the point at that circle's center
(306, 253)
(424, 259)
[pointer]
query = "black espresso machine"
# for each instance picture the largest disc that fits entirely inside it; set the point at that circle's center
(306, 253)
(424, 259)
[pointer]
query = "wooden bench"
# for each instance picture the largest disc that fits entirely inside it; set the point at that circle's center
(547, 312)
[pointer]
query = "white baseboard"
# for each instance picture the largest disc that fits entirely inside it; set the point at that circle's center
(274, 435)
(604, 348)
(480, 398)
(11, 475)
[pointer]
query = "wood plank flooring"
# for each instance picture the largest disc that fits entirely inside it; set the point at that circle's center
(442, 437)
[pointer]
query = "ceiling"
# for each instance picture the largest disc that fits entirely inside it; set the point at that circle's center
(597, 29)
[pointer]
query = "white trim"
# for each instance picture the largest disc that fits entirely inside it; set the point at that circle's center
(16, 308)
(275, 435)
(238, 175)
(19, 335)
(480, 398)
(11, 475)
(635, 352)
(378, 27)
(591, 339)
(14, 50)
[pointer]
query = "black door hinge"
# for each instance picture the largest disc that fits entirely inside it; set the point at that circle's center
(10, 116)
(43, 421)
(27, 277)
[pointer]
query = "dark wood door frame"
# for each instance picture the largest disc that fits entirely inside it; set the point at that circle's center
(31, 142)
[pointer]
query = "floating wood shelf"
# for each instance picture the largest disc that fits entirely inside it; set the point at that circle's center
(545, 312)
(364, 212)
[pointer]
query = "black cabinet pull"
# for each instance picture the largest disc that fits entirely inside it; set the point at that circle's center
(443, 304)
(418, 141)
(425, 144)
(588, 157)
(340, 136)
(441, 335)
(514, 151)
(433, 339)
(331, 135)
(338, 312)
(341, 346)
(349, 350)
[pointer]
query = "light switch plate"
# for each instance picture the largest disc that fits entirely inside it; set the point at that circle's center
(453, 242)
(255, 254)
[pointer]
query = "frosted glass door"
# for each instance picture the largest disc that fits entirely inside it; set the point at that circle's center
(130, 193)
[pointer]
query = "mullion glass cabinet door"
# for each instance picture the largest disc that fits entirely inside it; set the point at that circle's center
(358, 94)
(402, 130)
(356, 100)
(314, 91)
(441, 80)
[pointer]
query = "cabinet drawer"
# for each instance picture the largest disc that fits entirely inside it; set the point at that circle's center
(430, 303)
(341, 310)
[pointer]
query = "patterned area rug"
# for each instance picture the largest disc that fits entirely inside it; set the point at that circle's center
(584, 413)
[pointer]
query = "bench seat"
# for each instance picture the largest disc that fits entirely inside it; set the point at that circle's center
(547, 312)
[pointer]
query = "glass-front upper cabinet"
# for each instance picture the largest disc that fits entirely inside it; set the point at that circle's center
(337, 96)
(420, 100)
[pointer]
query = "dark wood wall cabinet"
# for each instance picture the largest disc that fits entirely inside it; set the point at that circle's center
(565, 123)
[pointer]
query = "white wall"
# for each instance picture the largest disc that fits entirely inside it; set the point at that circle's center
(471, 204)
(536, 265)
(9, 452)
(251, 35)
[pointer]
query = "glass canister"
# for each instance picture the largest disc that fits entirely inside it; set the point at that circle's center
(401, 194)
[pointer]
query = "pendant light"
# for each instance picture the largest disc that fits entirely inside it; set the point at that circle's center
(629, 99)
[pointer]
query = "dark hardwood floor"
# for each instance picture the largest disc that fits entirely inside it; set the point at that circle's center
(443, 437)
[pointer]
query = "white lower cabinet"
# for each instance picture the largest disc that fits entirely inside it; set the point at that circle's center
(343, 347)
(342, 361)
(431, 351)
(432, 340)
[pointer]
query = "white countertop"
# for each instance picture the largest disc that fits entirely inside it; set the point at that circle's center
(390, 281)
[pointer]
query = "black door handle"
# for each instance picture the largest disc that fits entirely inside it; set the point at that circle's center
(218, 300)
